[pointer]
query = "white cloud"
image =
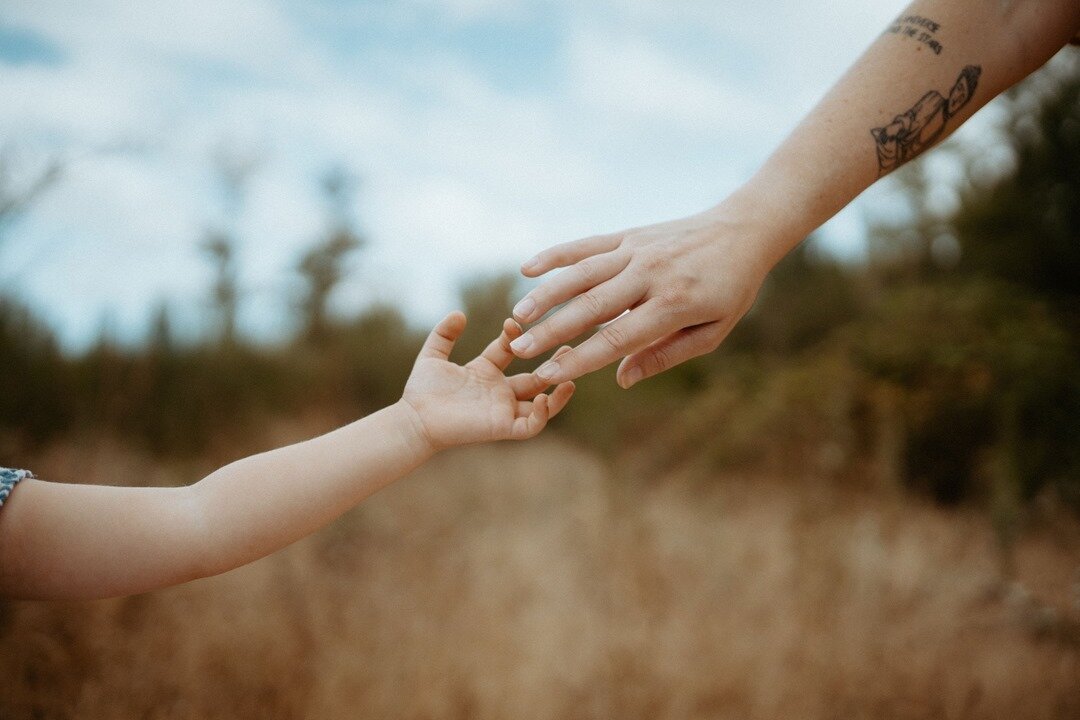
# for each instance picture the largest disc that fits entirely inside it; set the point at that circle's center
(631, 77)
(460, 173)
(251, 35)
(794, 49)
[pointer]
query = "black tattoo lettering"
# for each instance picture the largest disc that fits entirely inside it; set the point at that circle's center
(918, 28)
(917, 129)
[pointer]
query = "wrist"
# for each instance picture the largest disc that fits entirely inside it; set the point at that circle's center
(755, 237)
(412, 430)
(786, 201)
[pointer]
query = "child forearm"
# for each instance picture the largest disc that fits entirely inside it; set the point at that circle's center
(919, 81)
(259, 504)
(89, 541)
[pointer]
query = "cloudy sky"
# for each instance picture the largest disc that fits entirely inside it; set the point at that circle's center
(483, 130)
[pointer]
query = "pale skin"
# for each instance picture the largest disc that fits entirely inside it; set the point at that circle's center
(90, 541)
(687, 282)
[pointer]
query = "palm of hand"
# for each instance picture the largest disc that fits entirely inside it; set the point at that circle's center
(476, 402)
(461, 404)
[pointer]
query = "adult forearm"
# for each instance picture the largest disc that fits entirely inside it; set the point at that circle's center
(687, 282)
(925, 75)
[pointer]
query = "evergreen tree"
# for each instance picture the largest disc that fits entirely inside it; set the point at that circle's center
(322, 266)
(1021, 223)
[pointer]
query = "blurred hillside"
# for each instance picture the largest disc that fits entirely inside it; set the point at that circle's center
(863, 504)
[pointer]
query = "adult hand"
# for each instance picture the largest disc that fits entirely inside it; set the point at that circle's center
(685, 283)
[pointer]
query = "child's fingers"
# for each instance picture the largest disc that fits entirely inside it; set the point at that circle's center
(559, 397)
(527, 385)
(550, 406)
(498, 352)
(556, 401)
(528, 426)
(441, 340)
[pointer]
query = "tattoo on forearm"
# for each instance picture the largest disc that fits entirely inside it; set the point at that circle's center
(917, 129)
(918, 28)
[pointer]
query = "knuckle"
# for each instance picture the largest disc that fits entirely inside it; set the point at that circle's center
(587, 272)
(660, 360)
(634, 238)
(613, 337)
(653, 261)
(541, 296)
(680, 290)
(670, 302)
(568, 361)
(684, 283)
(591, 303)
(540, 334)
(664, 299)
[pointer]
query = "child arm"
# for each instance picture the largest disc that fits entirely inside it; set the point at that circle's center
(89, 541)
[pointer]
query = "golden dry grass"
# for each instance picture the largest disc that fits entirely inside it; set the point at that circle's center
(530, 582)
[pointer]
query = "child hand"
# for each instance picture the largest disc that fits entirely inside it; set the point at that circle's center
(476, 402)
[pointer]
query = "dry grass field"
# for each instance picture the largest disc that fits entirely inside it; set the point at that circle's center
(534, 582)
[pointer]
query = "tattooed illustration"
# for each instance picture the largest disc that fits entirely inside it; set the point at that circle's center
(915, 130)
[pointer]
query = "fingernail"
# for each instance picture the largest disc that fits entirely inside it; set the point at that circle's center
(522, 343)
(632, 376)
(548, 370)
(530, 263)
(524, 309)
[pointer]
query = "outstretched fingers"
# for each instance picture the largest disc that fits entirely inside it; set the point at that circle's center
(440, 341)
(669, 351)
(569, 253)
(570, 283)
(597, 305)
(526, 386)
(624, 336)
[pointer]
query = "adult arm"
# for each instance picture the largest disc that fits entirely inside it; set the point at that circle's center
(687, 282)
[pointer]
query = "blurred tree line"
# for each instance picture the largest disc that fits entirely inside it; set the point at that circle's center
(946, 363)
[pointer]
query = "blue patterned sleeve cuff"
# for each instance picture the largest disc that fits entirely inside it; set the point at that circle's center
(9, 479)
